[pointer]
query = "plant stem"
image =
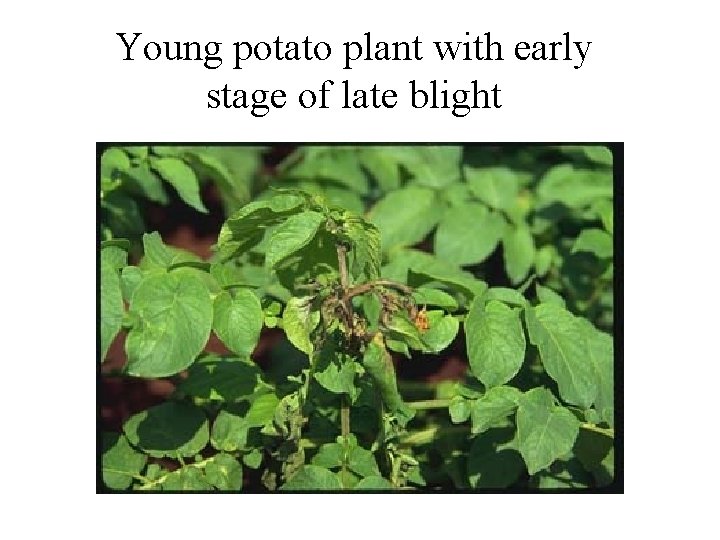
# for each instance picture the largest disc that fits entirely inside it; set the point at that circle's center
(429, 404)
(608, 432)
(365, 287)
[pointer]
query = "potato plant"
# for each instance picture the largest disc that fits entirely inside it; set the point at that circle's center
(362, 259)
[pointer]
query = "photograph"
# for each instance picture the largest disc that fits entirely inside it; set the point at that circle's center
(349, 318)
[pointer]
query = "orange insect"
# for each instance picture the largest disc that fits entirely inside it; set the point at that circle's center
(421, 320)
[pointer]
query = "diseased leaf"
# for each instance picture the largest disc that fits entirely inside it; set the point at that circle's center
(170, 429)
(292, 235)
(442, 331)
(299, 322)
(180, 176)
(562, 343)
(174, 313)
(120, 462)
(495, 342)
(379, 366)
(545, 431)
(237, 320)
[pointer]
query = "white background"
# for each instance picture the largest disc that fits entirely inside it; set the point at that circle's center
(646, 81)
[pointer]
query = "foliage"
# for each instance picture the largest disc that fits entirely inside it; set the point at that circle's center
(365, 257)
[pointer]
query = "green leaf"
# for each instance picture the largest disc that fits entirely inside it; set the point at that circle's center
(224, 472)
(262, 410)
(170, 429)
(180, 176)
(544, 259)
(563, 349)
(120, 462)
(592, 448)
(112, 307)
(495, 186)
(336, 373)
(229, 431)
(490, 465)
(332, 163)
(121, 214)
(246, 227)
(253, 459)
(442, 331)
(312, 477)
(596, 242)
(292, 235)
(575, 188)
(519, 253)
(601, 354)
(497, 403)
(382, 162)
(432, 166)
(238, 320)
(142, 180)
(373, 483)
(224, 379)
(130, 278)
(112, 161)
(468, 234)
(186, 479)
(459, 409)
(547, 296)
(174, 313)
(362, 462)
(299, 322)
(329, 456)
(505, 295)
(115, 255)
(545, 431)
(599, 154)
(426, 296)
(159, 255)
(406, 216)
(564, 475)
(495, 342)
